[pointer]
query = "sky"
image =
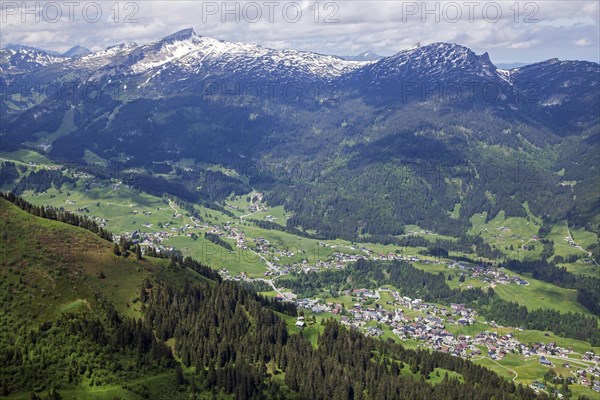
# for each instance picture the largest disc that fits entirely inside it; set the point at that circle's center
(510, 31)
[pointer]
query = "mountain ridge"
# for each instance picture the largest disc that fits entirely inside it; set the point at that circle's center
(185, 52)
(235, 104)
(187, 34)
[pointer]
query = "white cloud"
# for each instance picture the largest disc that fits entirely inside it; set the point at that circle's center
(583, 42)
(524, 45)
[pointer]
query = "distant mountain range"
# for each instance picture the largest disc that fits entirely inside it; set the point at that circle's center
(342, 122)
(74, 51)
(366, 56)
(512, 65)
(185, 58)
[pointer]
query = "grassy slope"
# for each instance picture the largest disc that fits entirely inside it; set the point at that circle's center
(55, 268)
(538, 294)
(123, 207)
(541, 294)
(25, 156)
(58, 265)
(504, 232)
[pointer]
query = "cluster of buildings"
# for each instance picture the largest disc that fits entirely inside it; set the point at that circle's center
(489, 274)
(430, 325)
(589, 376)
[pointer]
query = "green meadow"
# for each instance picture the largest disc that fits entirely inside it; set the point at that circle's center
(541, 294)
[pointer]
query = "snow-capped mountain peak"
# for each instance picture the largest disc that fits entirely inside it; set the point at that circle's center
(183, 34)
(436, 60)
(185, 61)
(25, 60)
(185, 53)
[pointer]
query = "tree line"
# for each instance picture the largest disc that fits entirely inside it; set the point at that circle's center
(216, 239)
(40, 181)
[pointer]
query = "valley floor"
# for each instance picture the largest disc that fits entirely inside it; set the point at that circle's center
(264, 255)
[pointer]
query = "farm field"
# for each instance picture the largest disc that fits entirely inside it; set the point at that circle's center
(24, 156)
(583, 268)
(505, 232)
(236, 262)
(529, 370)
(538, 294)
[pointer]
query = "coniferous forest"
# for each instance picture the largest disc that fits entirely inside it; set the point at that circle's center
(233, 341)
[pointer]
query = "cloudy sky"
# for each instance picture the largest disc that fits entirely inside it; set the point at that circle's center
(510, 31)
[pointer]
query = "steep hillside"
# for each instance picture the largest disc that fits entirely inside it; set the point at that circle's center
(66, 302)
(60, 265)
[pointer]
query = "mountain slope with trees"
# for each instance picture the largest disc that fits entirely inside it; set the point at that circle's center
(351, 148)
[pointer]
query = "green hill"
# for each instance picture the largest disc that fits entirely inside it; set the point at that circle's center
(57, 267)
(65, 300)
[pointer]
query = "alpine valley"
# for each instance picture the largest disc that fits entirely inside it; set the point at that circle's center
(195, 218)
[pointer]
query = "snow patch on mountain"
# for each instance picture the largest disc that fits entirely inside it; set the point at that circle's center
(25, 60)
(189, 53)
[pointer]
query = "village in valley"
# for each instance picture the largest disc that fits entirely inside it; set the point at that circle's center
(451, 330)
(212, 236)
